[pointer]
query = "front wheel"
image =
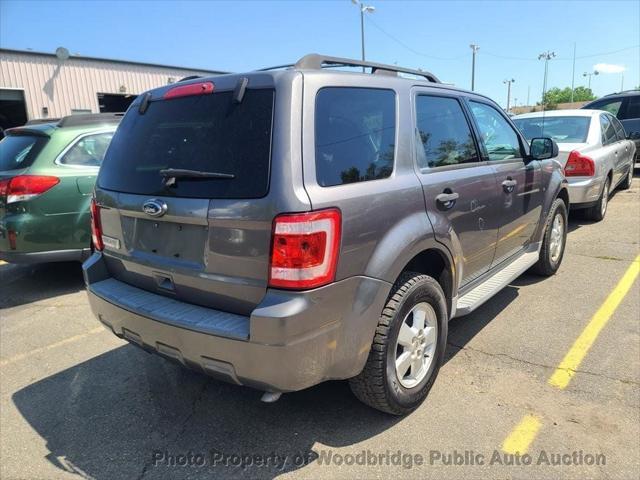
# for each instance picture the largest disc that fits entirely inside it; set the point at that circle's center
(628, 180)
(554, 240)
(408, 347)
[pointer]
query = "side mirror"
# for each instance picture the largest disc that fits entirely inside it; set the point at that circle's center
(634, 136)
(543, 148)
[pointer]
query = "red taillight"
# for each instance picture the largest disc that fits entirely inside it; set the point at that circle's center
(305, 249)
(201, 88)
(579, 165)
(25, 187)
(96, 226)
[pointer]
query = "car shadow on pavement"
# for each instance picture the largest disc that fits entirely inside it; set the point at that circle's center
(23, 284)
(126, 414)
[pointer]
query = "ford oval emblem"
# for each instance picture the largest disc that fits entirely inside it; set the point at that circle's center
(154, 207)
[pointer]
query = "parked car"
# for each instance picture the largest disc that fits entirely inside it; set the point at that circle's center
(594, 151)
(625, 106)
(281, 228)
(47, 174)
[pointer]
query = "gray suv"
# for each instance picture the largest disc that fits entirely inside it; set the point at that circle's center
(293, 225)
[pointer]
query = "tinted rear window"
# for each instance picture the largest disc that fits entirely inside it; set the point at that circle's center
(19, 151)
(208, 133)
(355, 135)
(561, 129)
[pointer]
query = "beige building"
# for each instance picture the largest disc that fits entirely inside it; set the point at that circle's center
(36, 85)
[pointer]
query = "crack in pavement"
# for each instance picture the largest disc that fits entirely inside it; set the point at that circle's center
(521, 360)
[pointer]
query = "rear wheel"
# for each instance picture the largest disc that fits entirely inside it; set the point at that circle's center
(408, 347)
(599, 210)
(554, 240)
(626, 183)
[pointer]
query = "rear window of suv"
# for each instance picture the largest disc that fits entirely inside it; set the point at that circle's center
(207, 133)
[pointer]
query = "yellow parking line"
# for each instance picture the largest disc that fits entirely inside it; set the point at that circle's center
(522, 435)
(36, 351)
(525, 432)
(570, 363)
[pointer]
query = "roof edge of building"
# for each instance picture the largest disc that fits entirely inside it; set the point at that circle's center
(113, 60)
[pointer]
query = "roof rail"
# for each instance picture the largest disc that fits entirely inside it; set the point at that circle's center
(89, 119)
(315, 61)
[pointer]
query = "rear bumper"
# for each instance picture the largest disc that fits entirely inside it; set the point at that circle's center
(291, 341)
(584, 192)
(72, 255)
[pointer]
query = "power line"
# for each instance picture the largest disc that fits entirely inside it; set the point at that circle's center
(411, 49)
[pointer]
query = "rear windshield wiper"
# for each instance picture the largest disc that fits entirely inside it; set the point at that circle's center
(171, 174)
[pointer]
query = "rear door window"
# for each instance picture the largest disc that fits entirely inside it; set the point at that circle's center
(443, 133)
(208, 133)
(355, 130)
(608, 130)
(611, 106)
(19, 151)
(88, 151)
(620, 132)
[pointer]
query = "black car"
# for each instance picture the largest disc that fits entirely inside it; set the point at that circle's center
(626, 107)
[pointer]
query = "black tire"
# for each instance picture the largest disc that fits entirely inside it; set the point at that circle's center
(378, 385)
(626, 183)
(599, 210)
(547, 265)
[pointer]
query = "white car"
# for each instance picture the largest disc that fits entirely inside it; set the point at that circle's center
(596, 155)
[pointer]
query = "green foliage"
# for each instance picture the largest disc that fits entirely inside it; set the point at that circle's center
(556, 95)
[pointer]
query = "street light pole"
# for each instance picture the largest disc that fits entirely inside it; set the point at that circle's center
(475, 48)
(363, 9)
(508, 83)
(585, 74)
(546, 56)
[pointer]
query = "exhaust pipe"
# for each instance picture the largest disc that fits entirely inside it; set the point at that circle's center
(270, 397)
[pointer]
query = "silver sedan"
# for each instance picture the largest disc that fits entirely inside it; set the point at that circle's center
(594, 150)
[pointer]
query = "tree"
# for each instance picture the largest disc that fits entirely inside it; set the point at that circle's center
(556, 95)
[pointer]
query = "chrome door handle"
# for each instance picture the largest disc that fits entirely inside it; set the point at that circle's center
(508, 185)
(447, 200)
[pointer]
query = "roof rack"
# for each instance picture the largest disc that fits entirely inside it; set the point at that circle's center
(89, 119)
(314, 61)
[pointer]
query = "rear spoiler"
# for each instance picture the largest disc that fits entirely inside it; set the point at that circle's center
(17, 131)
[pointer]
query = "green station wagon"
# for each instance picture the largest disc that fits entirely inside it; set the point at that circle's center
(47, 175)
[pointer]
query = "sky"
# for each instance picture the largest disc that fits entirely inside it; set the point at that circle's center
(432, 35)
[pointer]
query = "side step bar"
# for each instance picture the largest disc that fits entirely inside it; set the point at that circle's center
(487, 289)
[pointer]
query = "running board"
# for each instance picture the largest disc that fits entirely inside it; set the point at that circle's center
(487, 289)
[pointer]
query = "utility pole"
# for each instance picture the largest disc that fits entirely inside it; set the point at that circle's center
(528, 94)
(586, 74)
(363, 9)
(546, 56)
(508, 83)
(475, 48)
(573, 71)
(622, 83)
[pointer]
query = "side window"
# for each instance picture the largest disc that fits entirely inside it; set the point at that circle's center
(444, 136)
(355, 134)
(498, 137)
(88, 151)
(608, 130)
(611, 106)
(620, 132)
(633, 108)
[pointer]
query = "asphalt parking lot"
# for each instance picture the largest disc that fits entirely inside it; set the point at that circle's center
(77, 401)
